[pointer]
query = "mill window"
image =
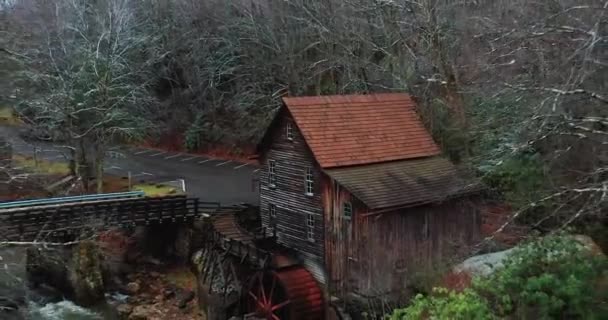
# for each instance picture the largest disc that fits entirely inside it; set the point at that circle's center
(310, 227)
(347, 210)
(309, 182)
(272, 174)
(289, 131)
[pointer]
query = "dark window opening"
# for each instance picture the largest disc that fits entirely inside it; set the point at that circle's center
(272, 175)
(310, 227)
(347, 210)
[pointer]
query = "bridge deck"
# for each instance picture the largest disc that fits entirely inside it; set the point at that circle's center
(36, 223)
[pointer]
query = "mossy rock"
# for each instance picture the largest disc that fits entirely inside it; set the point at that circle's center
(86, 274)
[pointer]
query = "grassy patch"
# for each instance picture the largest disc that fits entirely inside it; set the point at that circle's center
(155, 190)
(7, 117)
(41, 166)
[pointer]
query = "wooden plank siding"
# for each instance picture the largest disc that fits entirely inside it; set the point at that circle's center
(292, 158)
(338, 236)
(389, 249)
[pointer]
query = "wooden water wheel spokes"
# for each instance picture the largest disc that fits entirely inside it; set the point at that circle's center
(267, 296)
(289, 293)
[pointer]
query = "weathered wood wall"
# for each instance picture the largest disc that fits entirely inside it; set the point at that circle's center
(338, 241)
(292, 158)
(392, 247)
(377, 255)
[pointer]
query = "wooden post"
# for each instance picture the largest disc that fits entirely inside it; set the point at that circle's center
(36, 157)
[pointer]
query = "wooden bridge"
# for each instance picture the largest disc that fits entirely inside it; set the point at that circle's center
(49, 221)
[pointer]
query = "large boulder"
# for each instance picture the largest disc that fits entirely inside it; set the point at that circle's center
(86, 276)
(75, 273)
(48, 266)
(485, 264)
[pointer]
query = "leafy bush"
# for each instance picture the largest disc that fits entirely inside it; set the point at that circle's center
(445, 304)
(553, 277)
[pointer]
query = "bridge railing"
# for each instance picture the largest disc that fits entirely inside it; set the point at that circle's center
(72, 199)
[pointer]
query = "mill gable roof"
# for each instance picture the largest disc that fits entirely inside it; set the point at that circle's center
(377, 147)
(350, 130)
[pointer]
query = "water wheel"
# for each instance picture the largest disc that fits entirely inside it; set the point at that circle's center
(284, 294)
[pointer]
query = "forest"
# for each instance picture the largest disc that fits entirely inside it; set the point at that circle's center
(515, 91)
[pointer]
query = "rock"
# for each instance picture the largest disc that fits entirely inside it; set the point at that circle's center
(8, 305)
(158, 298)
(152, 261)
(187, 309)
(124, 310)
(168, 293)
(154, 274)
(47, 294)
(184, 297)
(133, 287)
(12, 290)
(132, 299)
(86, 276)
(148, 312)
(48, 266)
(144, 312)
(483, 265)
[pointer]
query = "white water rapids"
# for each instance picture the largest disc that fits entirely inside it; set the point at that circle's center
(34, 305)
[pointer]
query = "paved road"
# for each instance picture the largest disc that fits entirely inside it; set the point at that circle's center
(209, 179)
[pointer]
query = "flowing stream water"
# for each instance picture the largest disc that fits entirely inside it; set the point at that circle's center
(37, 305)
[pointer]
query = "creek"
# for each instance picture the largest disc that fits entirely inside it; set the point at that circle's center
(37, 304)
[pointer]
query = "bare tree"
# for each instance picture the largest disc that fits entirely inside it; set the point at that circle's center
(89, 74)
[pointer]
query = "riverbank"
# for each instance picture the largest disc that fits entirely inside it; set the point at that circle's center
(157, 292)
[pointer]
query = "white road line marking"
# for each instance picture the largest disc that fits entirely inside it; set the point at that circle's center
(223, 163)
(173, 156)
(157, 154)
(142, 152)
(142, 174)
(256, 170)
(188, 159)
(207, 160)
(243, 165)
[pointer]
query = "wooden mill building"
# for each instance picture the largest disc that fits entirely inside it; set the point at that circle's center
(357, 187)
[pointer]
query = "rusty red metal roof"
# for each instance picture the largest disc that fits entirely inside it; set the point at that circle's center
(404, 183)
(361, 129)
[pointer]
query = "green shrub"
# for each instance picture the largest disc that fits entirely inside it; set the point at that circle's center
(445, 304)
(550, 278)
(553, 277)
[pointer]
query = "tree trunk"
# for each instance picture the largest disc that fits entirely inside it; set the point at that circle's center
(82, 166)
(99, 155)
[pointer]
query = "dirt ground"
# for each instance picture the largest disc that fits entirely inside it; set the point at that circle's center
(160, 293)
